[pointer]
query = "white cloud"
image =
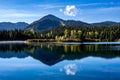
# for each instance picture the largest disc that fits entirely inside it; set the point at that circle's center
(70, 69)
(70, 10)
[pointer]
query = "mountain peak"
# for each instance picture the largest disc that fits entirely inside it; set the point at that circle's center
(51, 21)
(50, 17)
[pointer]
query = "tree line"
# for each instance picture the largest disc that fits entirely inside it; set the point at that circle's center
(65, 33)
(15, 35)
(82, 33)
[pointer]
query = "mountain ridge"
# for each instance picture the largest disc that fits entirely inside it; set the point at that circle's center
(106, 23)
(12, 26)
(51, 21)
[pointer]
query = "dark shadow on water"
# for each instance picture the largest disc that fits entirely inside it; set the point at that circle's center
(52, 53)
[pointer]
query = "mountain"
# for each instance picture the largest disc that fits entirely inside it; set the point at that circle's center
(50, 17)
(51, 21)
(106, 23)
(12, 26)
(75, 23)
(45, 23)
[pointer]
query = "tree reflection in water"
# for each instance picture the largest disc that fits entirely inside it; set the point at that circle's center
(52, 53)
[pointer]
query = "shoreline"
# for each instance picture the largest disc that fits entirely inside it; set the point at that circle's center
(12, 42)
(65, 40)
(54, 41)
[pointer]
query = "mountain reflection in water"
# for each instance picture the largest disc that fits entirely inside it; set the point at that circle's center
(52, 53)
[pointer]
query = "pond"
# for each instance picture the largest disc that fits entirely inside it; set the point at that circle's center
(60, 61)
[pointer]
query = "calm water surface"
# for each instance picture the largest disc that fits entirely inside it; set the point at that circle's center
(60, 61)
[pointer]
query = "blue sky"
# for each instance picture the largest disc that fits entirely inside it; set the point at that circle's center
(85, 10)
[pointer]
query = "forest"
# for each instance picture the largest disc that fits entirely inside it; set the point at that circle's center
(81, 33)
(65, 33)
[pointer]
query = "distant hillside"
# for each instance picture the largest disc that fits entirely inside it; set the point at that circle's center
(51, 21)
(75, 23)
(12, 26)
(106, 23)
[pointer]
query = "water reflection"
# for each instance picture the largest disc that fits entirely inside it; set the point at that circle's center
(52, 53)
(70, 69)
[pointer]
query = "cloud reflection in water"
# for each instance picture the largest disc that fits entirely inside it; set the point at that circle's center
(70, 69)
